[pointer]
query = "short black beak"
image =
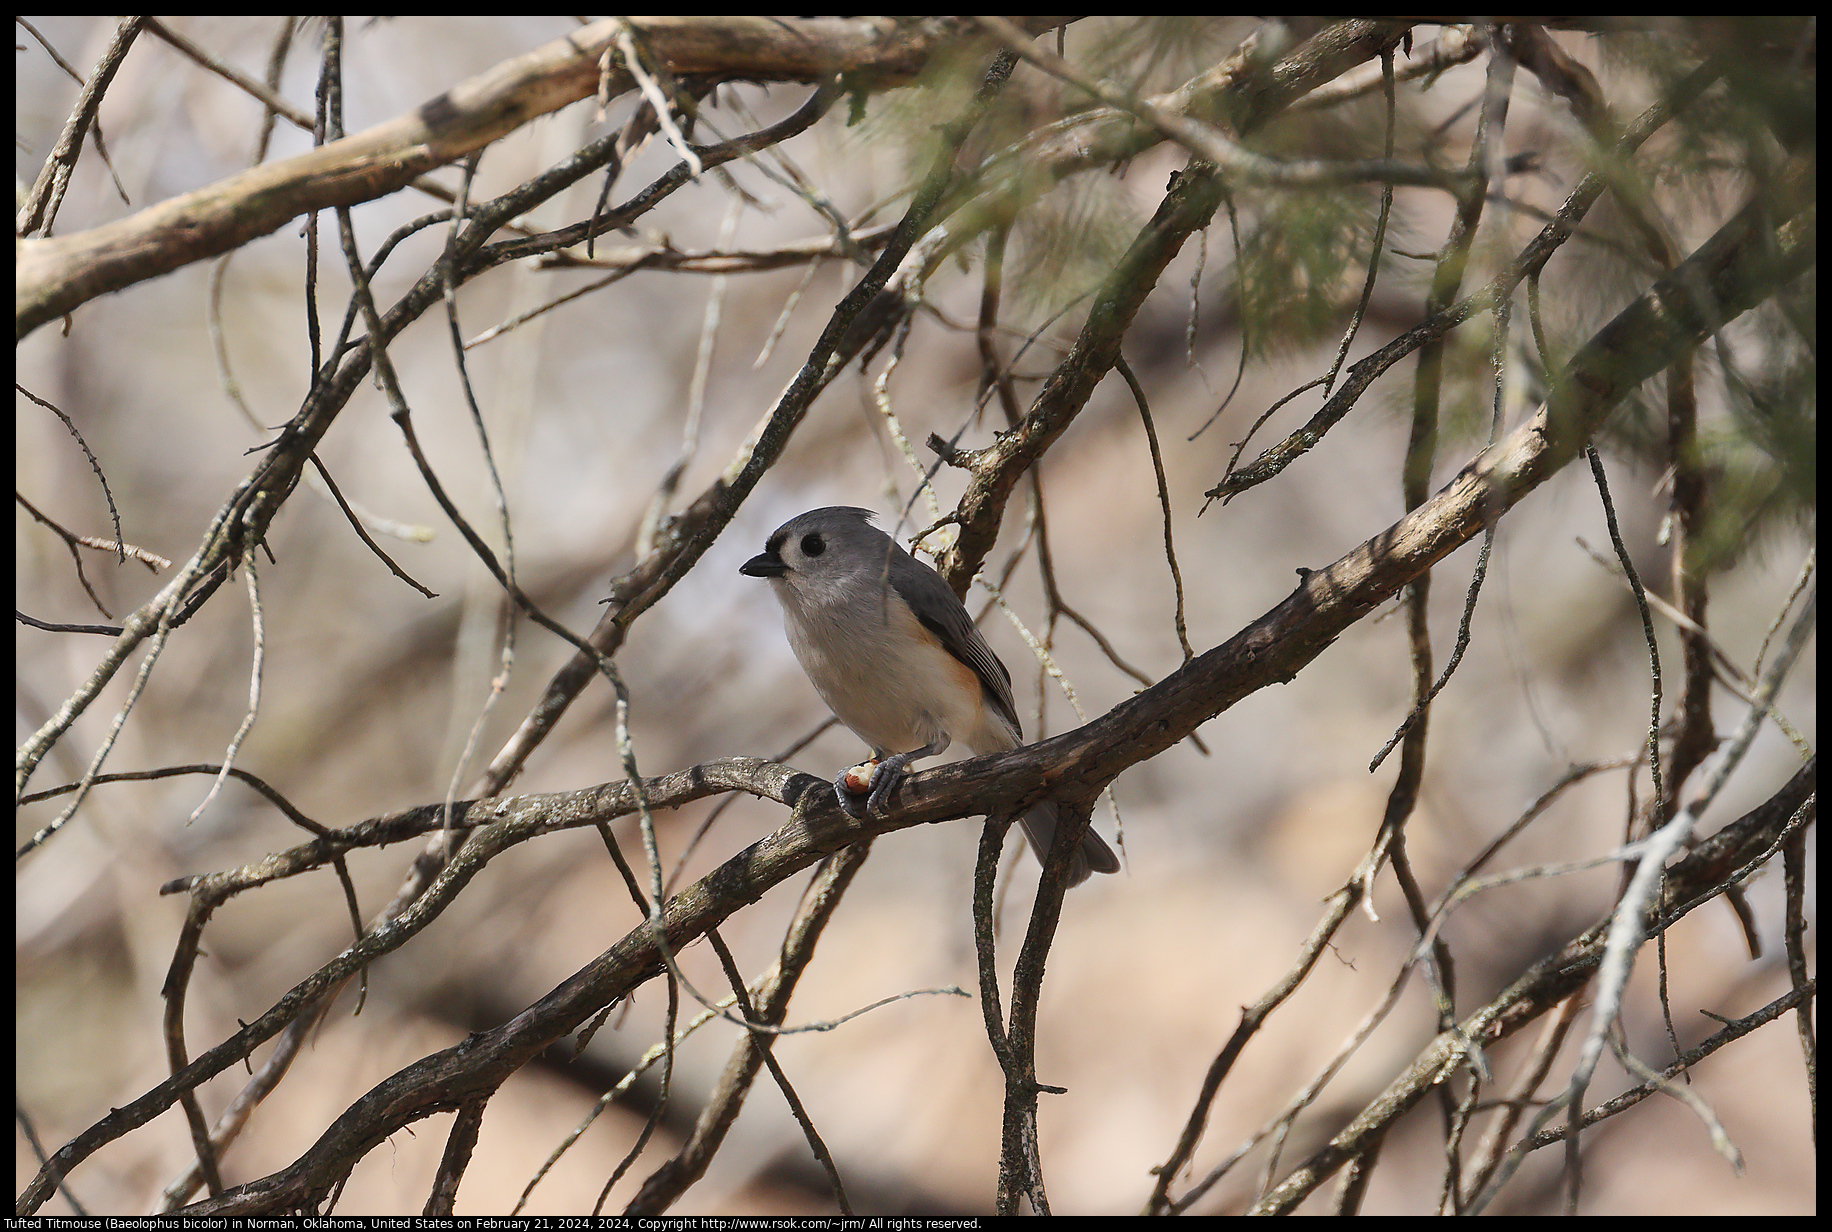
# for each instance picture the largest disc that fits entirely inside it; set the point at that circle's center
(764, 565)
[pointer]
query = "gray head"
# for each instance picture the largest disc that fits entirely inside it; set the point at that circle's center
(823, 548)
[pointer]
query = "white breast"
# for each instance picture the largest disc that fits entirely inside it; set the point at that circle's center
(886, 677)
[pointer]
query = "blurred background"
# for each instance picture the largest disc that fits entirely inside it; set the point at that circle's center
(370, 691)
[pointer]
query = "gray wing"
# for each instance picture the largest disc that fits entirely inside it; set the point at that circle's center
(942, 614)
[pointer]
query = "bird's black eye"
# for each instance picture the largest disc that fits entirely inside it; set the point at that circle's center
(812, 544)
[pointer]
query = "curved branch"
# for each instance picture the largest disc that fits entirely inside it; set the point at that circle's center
(55, 276)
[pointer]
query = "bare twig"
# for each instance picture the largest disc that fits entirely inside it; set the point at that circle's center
(40, 208)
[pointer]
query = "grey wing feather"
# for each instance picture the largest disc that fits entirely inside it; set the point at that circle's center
(942, 614)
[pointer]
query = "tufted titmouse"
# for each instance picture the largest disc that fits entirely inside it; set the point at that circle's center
(896, 658)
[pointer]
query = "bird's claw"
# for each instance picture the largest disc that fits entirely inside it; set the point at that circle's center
(884, 779)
